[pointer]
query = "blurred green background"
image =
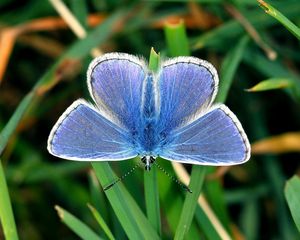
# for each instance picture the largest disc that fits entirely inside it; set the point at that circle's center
(43, 70)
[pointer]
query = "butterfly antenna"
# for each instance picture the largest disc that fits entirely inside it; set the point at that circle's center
(186, 188)
(122, 177)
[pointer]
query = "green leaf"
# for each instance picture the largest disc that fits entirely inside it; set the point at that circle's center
(6, 213)
(172, 201)
(274, 70)
(76, 225)
(229, 68)
(80, 10)
(292, 196)
(269, 9)
(101, 222)
(132, 219)
(191, 201)
(271, 84)
(154, 60)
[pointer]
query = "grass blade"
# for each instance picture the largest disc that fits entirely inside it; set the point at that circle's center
(177, 40)
(101, 222)
(6, 212)
(191, 200)
(271, 84)
(133, 221)
(76, 225)
(172, 201)
(269, 9)
(292, 196)
(229, 68)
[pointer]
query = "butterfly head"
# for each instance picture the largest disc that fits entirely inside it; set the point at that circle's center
(148, 161)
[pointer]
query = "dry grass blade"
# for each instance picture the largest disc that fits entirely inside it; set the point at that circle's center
(73, 23)
(284, 143)
(9, 35)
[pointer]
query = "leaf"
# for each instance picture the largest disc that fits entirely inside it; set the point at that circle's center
(287, 142)
(101, 222)
(190, 202)
(229, 68)
(76, 225)
(292, 196)
(273, 83)
(274, 70)
(6, 212)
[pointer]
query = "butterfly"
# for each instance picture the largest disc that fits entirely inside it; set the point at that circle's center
(137, 112)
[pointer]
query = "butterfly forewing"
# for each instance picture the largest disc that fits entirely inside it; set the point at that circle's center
(115, 82)
(187, 86)
(83, 134)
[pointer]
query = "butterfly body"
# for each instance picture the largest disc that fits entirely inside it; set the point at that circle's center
(148, 138)
(137, 112)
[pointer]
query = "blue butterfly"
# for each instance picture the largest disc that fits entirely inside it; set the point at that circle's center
(141, 113)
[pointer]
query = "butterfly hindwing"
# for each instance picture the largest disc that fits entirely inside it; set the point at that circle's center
(216, 138)
(83, 134)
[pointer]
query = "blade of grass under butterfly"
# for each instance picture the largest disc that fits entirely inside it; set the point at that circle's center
(269, 9)
(132, 219)
(77, 51)
(101, 222)
(6, 212)
(150, 177)
(76, 225)
(171, 201)
(190, 202)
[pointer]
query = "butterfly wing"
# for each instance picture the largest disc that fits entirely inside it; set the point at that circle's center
(187, 87)
(115, 82)
(216, 138)
(83, 134)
